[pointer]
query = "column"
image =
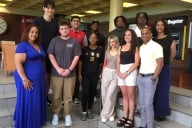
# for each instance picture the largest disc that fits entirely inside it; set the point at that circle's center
(116, 9)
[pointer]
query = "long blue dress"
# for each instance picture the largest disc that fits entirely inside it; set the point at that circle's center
(161, 97)
(31, 107)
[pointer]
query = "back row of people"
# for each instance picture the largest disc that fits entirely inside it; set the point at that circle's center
(30, 53)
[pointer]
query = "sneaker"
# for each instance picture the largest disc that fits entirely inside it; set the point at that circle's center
(137, 110)
(83, 116)
(160, 118)
(55, 120)
(121, 101)
(95, 99)
(49, 103)
(76, 101)
(90, 115)
(103, 120)
(68, 121)
(112, 118)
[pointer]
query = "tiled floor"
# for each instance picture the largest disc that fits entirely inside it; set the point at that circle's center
(77, 123)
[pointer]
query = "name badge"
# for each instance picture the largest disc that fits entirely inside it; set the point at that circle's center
(69, 45)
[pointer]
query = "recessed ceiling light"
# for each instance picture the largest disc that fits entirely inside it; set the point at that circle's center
(2, 4)
(93, 12)
(8, 0)
(127, 5)
(77, 15)
(188, 1)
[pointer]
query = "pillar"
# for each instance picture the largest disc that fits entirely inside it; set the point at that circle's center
(116, 9)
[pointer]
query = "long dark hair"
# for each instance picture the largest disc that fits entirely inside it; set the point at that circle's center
(134, 40)
(166, 28)
(25, 34)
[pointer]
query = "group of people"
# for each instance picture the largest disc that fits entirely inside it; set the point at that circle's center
(61, 56)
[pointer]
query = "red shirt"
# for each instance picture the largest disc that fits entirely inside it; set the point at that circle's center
(78, 36)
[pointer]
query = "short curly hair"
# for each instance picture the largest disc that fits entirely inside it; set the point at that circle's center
(121, 17)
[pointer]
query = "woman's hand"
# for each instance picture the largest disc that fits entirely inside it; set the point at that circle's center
(123, 75)
(27, 84)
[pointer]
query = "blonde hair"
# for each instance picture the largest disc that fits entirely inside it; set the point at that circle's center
(115, 38)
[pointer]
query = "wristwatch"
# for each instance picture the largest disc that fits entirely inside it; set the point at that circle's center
(128, 72)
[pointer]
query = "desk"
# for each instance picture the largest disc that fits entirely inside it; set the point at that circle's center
(8, 51)
(1, 54)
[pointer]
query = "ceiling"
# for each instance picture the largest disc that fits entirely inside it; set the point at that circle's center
(68, 7)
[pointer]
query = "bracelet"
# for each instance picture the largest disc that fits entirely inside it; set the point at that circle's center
(24, 80)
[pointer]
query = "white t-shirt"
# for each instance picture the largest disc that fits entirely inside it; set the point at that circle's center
(136, 29)
(149, 53)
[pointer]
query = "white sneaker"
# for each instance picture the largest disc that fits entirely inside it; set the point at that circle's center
(121, 101)
(76, 101)
(55, 120)
(138, 110)
(95, 99)
(68, 121)
(103, 120)
(112, 118)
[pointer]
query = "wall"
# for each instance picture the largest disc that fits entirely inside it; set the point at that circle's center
(14, 27)
(16, 24)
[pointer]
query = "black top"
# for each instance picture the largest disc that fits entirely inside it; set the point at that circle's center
(48, 30)
(91, 60)
(166, 44)
(127, 57)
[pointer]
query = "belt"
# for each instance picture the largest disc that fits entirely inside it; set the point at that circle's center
(146, 75)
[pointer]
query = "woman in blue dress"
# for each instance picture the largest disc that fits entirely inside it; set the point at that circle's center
(162, 36)
(31, 107)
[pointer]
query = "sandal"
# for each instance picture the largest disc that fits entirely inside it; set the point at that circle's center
(121, 122)
(129, 123)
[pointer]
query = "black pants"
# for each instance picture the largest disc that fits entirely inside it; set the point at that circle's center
(77, 86)
(89, 86)
(76, 90)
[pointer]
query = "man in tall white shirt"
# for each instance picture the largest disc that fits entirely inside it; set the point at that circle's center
(151, 54)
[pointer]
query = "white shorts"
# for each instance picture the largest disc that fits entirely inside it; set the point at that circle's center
(130, 80)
